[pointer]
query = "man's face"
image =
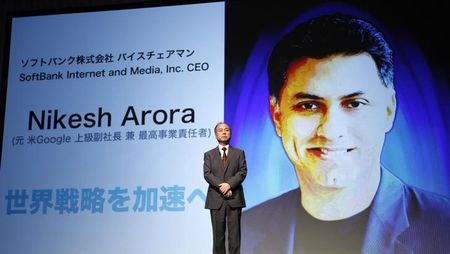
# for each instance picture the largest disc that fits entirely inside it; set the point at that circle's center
(332, 116)
(223, 133)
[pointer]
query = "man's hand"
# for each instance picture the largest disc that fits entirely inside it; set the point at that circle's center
(228, 194)
(224, 188)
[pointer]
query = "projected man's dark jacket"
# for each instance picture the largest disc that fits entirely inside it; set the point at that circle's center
(403, 219)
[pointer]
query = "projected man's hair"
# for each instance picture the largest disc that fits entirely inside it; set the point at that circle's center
(329, 35)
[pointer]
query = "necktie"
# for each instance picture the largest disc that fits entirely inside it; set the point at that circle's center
(224, 156)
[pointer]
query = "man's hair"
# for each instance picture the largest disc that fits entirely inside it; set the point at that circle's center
(329, 35)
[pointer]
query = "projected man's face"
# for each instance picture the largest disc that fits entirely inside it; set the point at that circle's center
(332, 116)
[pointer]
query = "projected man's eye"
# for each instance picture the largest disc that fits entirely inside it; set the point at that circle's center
(354, 104)
(308, 107)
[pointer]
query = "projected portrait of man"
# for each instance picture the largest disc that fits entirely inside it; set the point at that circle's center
(332, 100)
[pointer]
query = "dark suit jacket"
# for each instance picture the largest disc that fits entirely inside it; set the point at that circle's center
(403, 219)
(233, 174)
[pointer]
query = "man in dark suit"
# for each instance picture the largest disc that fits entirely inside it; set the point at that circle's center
(225, 169)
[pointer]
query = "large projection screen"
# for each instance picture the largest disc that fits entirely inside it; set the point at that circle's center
(108, 112)
(107, 115)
